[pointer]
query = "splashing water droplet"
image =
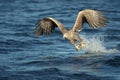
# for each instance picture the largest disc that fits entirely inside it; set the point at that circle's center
(95, 44)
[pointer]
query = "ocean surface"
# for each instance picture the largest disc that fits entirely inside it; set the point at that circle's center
(23, 56)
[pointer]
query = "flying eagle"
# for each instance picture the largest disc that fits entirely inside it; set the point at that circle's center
(94, 18)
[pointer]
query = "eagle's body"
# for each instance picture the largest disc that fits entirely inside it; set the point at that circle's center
(94, 18)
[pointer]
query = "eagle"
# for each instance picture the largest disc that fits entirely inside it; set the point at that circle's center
(93, 18)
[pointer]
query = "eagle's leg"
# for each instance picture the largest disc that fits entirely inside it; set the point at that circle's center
(81, 44)
(73, 43)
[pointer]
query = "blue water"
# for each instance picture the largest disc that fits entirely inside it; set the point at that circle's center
(23, 56)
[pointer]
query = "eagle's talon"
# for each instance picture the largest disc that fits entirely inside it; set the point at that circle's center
(78, 47)
(83, 45)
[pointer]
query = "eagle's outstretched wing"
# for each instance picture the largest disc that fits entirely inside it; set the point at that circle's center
(94, 18)
(47, 25)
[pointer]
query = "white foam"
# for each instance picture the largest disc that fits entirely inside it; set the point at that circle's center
(95, 44)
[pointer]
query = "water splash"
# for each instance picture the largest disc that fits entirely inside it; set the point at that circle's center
(95, 44)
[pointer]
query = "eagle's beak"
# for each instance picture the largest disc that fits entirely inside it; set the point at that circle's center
(63, 36)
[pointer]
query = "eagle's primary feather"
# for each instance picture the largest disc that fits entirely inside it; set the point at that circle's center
(95, 19)
(47, 25)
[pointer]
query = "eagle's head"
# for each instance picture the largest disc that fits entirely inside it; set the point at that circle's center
(64, 36)
(69, 35)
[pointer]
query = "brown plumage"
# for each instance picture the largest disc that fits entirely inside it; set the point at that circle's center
(94, 18)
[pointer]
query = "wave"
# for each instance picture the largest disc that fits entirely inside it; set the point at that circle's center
(115, 62)
(50, 74)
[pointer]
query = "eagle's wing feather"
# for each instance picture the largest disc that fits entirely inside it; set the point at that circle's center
(94, 18)
(47, 25)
